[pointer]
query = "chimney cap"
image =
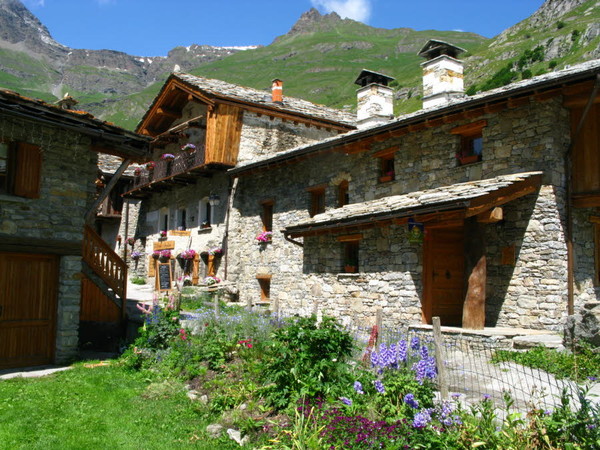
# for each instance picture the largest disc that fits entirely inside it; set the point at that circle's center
(434, 48)
(367, 77)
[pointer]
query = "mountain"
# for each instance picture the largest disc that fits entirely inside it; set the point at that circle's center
(34, 64)
(318, 59)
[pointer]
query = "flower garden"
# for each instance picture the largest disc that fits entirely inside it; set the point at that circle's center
(304, 383)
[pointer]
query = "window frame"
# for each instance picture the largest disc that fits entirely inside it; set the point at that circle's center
(343, 193)
(316, 199)
(266, 215)
(386, 164)
(23, 170)
(205, 213)
(350, 252)
(469, 135)
(264, 282)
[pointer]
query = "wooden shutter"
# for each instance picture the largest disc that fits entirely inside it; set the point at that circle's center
(151, 266)
(28, 171)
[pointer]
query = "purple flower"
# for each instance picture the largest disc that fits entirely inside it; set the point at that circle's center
(358, 387)
(402, 349)
(421, 419)
(424, 352)
(346, 401)
(547, 412)
(486, 397)
(414, 343)
(379, 386)
(592, 378)
(409, 399)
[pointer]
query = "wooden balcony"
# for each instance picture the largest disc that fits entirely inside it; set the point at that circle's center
(184, 169)
(108, 209)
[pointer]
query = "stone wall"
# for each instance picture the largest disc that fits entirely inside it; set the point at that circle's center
(529, 292)
(69, 170)
(262, 135)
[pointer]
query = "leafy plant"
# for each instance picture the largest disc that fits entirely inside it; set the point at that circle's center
(306, 359)
(138, 280)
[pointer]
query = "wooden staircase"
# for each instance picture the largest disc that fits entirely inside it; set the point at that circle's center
(104, 286)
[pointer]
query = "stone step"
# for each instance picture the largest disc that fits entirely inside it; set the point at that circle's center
(537, 340)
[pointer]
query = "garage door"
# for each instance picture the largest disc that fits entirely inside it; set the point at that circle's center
(28, 303)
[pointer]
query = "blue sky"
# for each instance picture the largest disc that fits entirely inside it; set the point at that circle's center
(153, 27)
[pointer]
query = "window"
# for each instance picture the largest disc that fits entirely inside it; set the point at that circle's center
(20, 169)
(317, 200)
(387, 168)
(350, 252)
(471, 142)
(205, 213)
(163, 223)
(267, 215)
(342, 194)
(181, 218)
(264, 282)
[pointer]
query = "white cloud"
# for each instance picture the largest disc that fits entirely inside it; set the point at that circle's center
(359, 10)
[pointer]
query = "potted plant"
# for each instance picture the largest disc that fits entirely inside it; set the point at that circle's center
(350, 267)
(164, 255)
(136, 255)
(388, 176)
(137, 171)
(211, 281)
(163, 234)
(156, 254)
(217, 251)
(264, 237)
(168, 156)
(189, 147)
(131, 241)
(150, 165)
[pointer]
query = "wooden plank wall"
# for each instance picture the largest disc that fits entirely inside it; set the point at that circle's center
(586, 154)
(95, 306)
(224, 128)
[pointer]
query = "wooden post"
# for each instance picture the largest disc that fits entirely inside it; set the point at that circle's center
(475, 271)
(216, 302)
(439, 357)
(378, 324)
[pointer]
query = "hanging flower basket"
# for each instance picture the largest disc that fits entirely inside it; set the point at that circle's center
(163, 234)
(131, 241)
(136, 255)
(150, 165)
(156, 254)
(187, 254)
(168, 156)
(211, 281)
(165, 255)
(189, 147)
(217, 251)
(137, 171)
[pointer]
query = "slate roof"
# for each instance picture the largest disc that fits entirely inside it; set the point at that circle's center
(444, 198)
(572, 74)
(127, 142)
(222, 89)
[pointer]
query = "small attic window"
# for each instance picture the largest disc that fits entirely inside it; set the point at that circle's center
(387, 167)
(471, 142)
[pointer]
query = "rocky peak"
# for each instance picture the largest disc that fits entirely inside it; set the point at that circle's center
(19, 26)
(312, 20)
(553, 9)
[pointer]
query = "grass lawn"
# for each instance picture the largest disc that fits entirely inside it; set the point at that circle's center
(100, 407)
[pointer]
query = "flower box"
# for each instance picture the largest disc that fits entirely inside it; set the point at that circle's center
(468, 159)
(150, 165)
(385, 178)
(349, 268)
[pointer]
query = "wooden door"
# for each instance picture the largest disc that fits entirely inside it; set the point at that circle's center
(444, 265)
(28, 303)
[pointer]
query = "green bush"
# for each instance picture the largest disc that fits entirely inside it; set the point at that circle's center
(138, 280)
(306, 359)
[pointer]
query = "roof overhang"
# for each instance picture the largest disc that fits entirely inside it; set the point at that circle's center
(444, 204)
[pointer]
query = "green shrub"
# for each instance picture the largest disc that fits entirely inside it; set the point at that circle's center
(138, 280)
(560, 24)
(306, 359)
(526, 74)
(552, 64)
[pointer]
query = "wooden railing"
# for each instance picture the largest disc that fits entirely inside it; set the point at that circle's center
(164, 169)
(105, 262)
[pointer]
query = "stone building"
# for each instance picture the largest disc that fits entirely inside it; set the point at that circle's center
(480, 210)
(48, 169)
(200, 128)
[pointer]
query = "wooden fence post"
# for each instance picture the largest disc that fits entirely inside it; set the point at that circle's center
(378, 324)
(439, 357)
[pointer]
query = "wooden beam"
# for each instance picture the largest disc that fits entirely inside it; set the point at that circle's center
(167, 112)
(586, 200)
(493, 215)
(546, 95)
(473, 316)
(579, 101)
(504, 195)
(350, 237)
(579, 88)
(386, 152)
(40, 245)
(518, 101)
(469, 128)
(495, 107)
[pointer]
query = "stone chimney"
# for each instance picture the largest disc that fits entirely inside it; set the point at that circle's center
(374, 98)
(277, 91)
(442, 73)
(67, 102)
